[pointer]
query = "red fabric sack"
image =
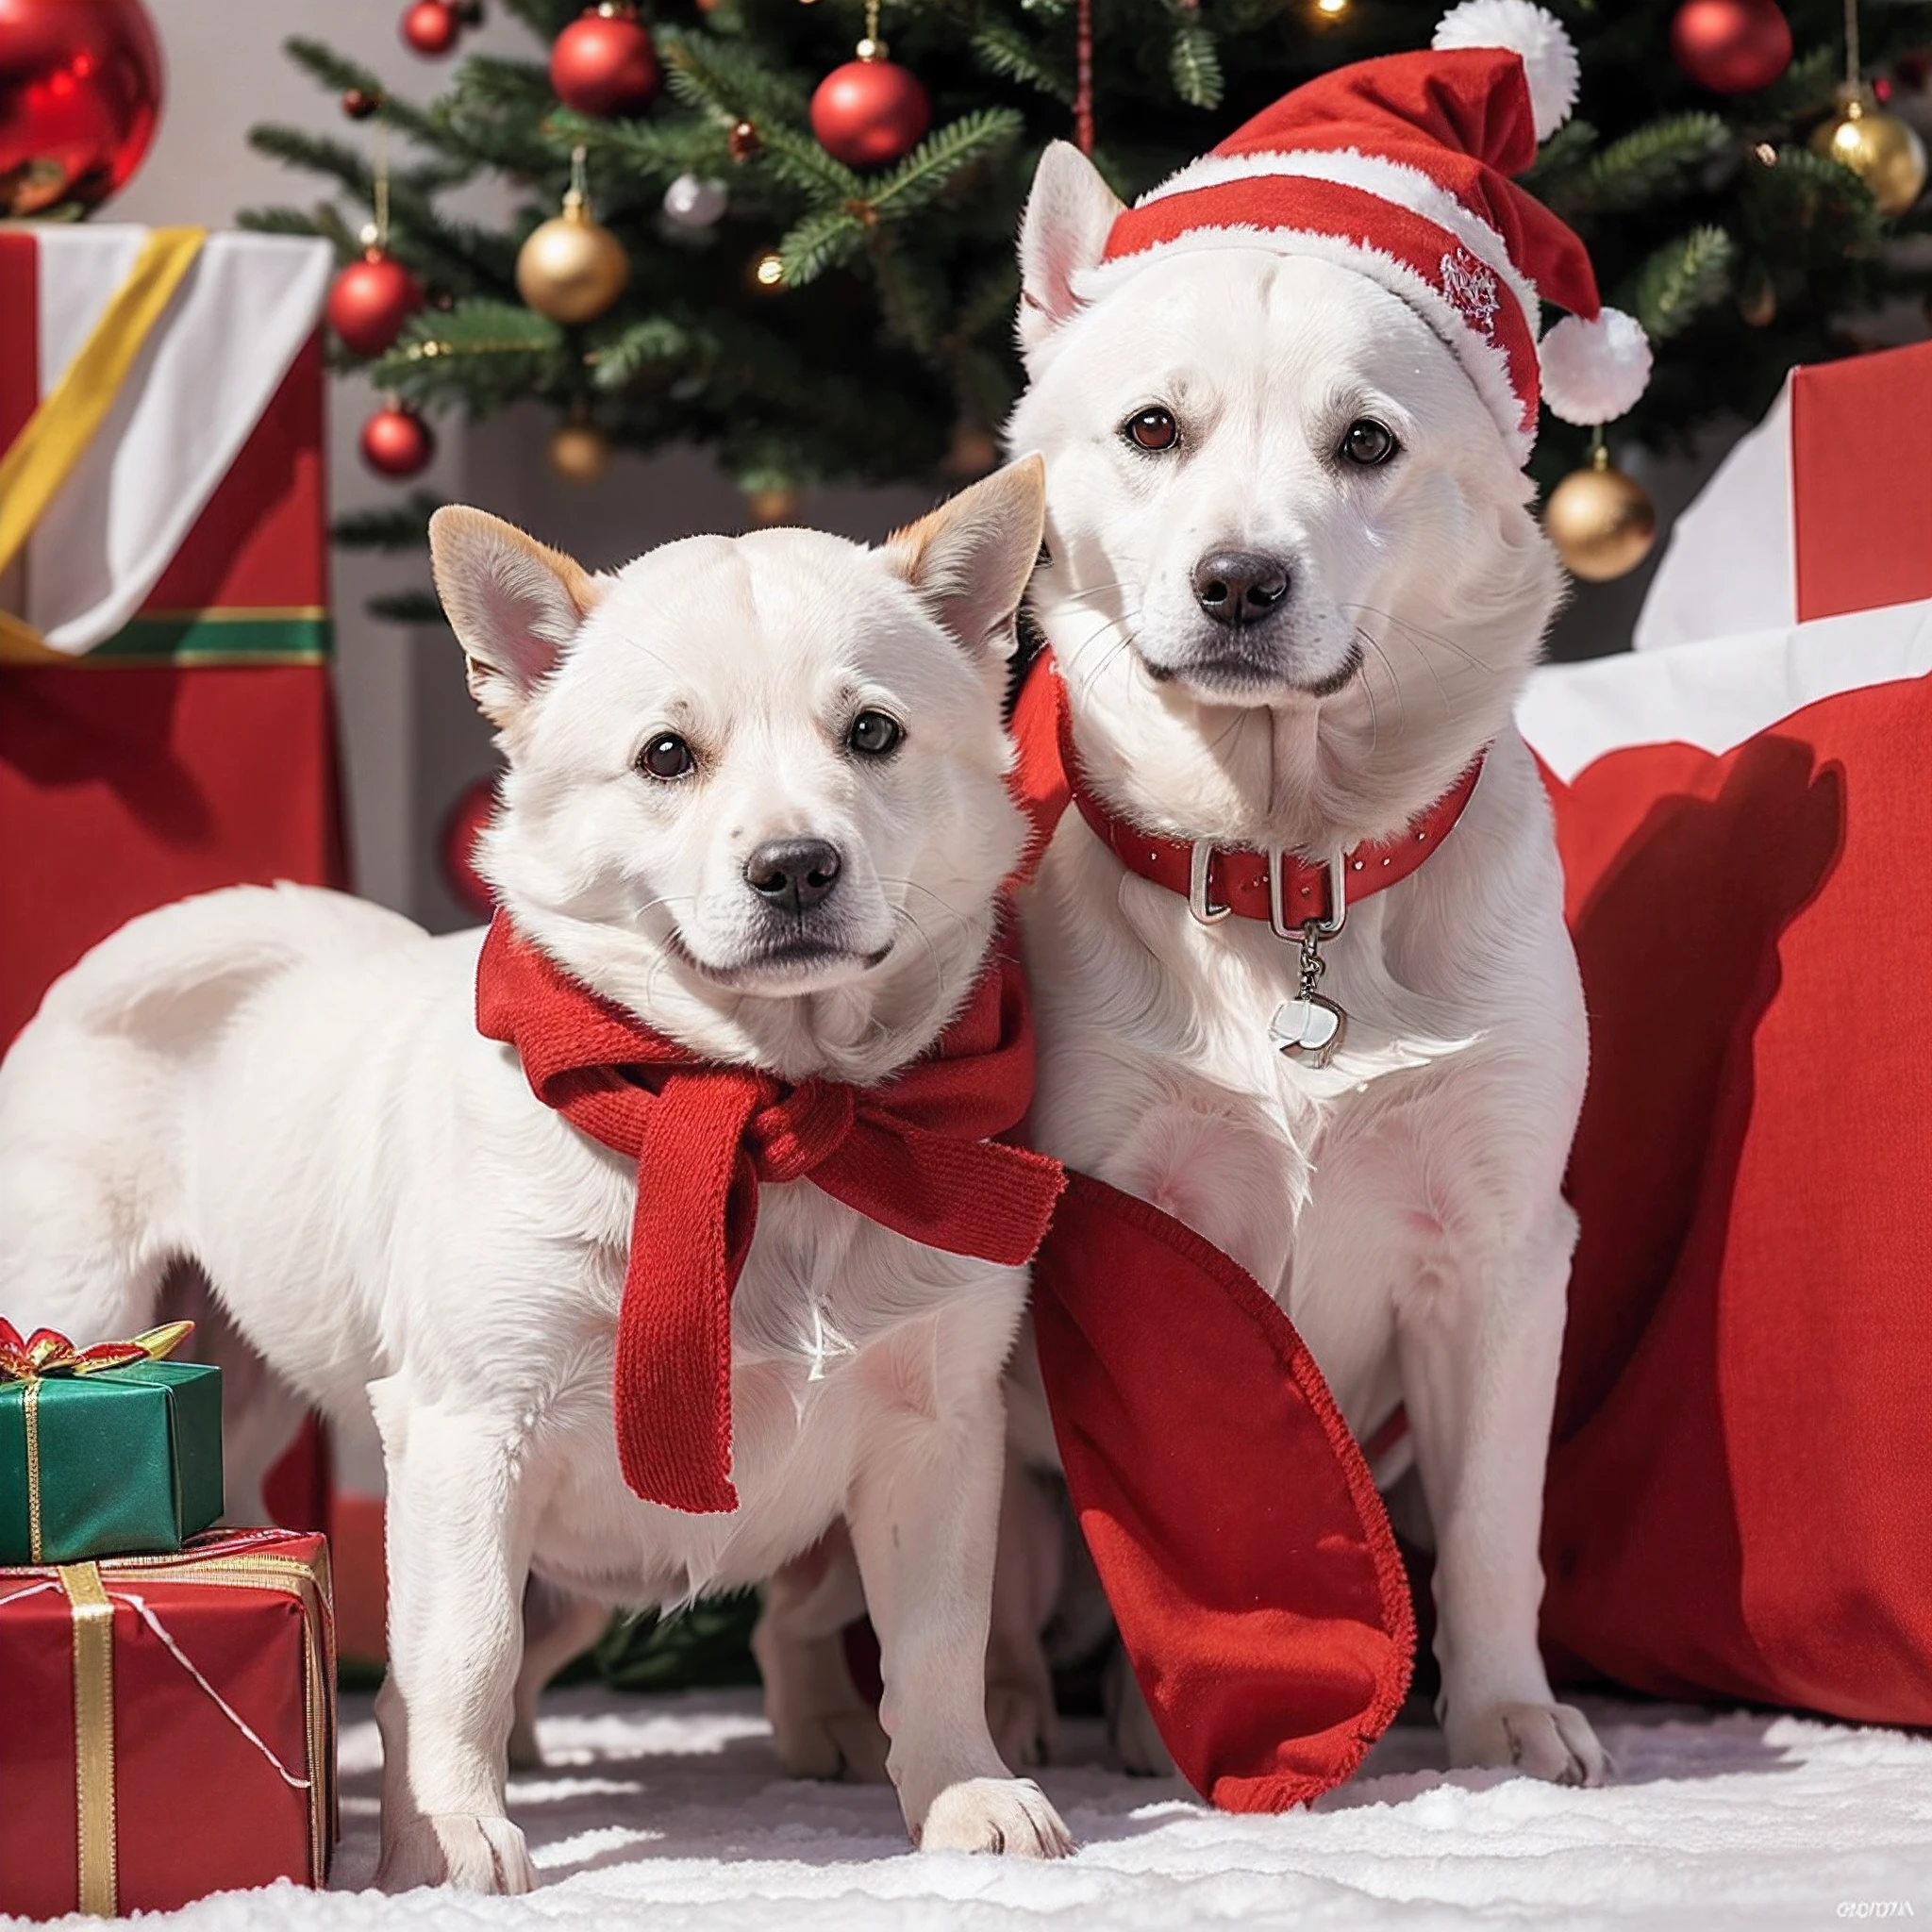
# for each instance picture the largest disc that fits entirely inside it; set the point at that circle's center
(1739, 1481)
(167, 1797)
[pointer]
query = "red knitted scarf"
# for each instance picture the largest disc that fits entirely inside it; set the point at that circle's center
(913, 1154)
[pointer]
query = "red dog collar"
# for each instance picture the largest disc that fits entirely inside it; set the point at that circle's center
(1283, 887)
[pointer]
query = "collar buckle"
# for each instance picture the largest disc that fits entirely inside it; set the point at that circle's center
(1199, 861)
(1308, 930)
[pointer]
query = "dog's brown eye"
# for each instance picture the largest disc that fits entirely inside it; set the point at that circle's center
(1152, 429)
(873, 733)
(666, 757)
(1368, 443)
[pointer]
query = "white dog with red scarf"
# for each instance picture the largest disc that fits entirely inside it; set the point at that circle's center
(1299, 951)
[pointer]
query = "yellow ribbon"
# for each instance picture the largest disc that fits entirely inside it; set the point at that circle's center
(55, 436)
(93, 1734)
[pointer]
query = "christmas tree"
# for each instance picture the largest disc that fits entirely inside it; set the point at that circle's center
(818, 319)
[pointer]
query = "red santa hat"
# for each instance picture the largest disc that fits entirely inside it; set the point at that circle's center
(1400, 168)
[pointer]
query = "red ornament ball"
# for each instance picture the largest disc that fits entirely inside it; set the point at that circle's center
(81, 91)
(1731, 46)
(603, 63)
(397, 442)
(430, 26)
(368, 302)
(474, 807)
(869, 112)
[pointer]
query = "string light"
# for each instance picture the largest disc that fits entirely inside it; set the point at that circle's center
(1331, 8)
(768, 271)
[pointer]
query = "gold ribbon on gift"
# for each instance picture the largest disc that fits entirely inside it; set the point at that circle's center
(60, 430)
(47, 1352)
(92, 1590)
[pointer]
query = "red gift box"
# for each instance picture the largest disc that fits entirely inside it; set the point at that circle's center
(170, 1724)
(195, 748)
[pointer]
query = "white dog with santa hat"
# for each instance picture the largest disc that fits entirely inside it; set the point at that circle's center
(1299, 950)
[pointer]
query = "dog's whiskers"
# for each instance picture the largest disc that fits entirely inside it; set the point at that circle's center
(1422, 631)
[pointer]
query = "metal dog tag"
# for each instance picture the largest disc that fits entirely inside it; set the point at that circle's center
(1308, 1029)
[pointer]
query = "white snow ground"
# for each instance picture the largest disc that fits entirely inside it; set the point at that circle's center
(668, 1813)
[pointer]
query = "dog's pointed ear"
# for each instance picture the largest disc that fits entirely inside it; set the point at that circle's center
(970, 560)
(1070, 210)
(513, 602)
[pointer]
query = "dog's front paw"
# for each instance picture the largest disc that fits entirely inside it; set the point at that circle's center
(846, 1744)
(450, 1848)
(995, 1814)
(1550, 1742)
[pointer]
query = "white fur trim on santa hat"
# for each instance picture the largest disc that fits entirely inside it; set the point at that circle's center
(1377, 174)
(1549, 54)
(1594, 370)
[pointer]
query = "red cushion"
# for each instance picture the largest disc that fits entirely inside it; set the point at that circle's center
(1739, 1478)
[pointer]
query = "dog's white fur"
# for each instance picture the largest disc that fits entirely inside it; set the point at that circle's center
(287, 1088)
(1403, 1204)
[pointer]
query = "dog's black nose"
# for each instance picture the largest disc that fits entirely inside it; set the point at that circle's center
(793, 873)
(1239, 587)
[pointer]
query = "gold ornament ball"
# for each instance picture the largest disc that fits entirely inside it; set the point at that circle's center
(776, 504)
(1884, 152)
(1602, 522)
(571, 268)
(579, 452)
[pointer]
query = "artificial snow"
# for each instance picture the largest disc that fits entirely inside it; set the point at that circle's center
(668, 1814)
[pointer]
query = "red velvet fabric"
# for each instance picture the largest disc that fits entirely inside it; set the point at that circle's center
(1232, 1518)
(913, 1154)
(1739, 1480)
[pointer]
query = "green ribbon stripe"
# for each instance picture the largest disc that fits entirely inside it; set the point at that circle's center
(215, 636)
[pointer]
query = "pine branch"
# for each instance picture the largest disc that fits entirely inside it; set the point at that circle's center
(828, 237)
(395, 527)
(1011, 54)
(940, 159)
(1560, 159)
(801, 164)
(648, 151)
(339, 76)
(1682, 279)
(316, 153)
(277, 221)
(1805, 87)
(624, 358)
(705, 72)
(1652, 163)
(478, 345)
(1194, 66)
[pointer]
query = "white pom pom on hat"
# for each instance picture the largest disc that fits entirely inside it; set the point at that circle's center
(1549, 54)
(1594, 371)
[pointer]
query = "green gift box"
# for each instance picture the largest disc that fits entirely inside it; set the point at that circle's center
(104, 1452)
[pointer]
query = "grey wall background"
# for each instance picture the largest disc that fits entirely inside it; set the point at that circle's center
(412, 739)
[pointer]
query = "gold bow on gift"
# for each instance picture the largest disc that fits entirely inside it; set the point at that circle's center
(47, 1352)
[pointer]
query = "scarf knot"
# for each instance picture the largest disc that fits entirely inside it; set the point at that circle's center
(916, 1154)
(794, 1132)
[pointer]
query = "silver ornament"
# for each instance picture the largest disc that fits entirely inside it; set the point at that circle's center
(691, 203)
